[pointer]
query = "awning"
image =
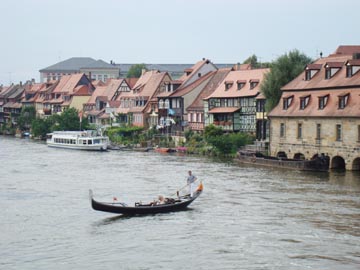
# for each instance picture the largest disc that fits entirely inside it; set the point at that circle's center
(224, 110)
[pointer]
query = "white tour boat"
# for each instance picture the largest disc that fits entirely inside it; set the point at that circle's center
(81, 140)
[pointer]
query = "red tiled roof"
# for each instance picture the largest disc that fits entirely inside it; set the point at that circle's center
(334, 64)
(314, 66)
(210, 87)
(347, 49)
(224, 110)
(245, 91)
(352, 109)
(67, 83)
(182, 91)
(353, 62)
(339, 80)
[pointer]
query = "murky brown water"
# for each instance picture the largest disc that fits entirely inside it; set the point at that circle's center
(247, 217)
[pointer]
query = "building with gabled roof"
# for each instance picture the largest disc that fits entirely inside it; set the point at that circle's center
(232, 106)
(173, 104)
(195, 111)
(319, 112)
(139, 106)
(102, 101)
(65, 89)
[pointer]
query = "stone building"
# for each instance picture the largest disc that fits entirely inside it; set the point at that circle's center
(319, 112)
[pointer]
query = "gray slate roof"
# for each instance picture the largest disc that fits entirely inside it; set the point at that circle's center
(99, 64)
(74, 64)
(70, 65)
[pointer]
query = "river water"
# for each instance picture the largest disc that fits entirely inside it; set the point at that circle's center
(246, 218)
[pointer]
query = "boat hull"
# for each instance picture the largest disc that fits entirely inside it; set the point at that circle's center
(98, 147)
(119, 208)
(318, 164)
(87, 140)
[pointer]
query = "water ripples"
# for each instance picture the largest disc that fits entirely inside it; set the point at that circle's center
(247, 217)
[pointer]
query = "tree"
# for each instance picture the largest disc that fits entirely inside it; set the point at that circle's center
(27, 115)
(135, 71)
(253, 61)
(283, 70)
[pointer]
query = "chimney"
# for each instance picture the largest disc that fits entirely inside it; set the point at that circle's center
(20, 83)
(90, 76)
(320, 54)
(33, 81)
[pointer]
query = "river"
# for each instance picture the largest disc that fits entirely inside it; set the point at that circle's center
(246, 218)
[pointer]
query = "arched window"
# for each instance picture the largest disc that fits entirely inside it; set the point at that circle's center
(167, 104)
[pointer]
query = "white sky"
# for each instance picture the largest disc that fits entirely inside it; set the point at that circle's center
(39, 33)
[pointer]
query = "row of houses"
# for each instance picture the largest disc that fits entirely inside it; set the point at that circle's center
(319, 111)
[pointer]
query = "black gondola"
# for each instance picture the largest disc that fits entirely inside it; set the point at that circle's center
(170, 205)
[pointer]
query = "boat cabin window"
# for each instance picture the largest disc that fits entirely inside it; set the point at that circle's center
(89, 141)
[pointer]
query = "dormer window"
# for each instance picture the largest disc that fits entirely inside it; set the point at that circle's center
(352, 67)
(331, 68)
(343, 100)
(240, 84)
(287, 102)
(304, 101)
(253, 83)
(323, 101)
(228, 85)
(188, 71)
(311, 70)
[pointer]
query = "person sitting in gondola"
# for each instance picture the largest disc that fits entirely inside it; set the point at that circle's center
(160, 200)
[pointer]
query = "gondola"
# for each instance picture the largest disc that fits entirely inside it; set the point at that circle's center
(170, 205)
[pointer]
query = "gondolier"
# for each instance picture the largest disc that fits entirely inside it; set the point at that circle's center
(191, 182)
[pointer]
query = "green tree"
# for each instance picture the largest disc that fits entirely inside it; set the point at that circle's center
(253, 60)
(27, 115)
(212, 131)
(135, 71)
(283, 70)
(69, 120)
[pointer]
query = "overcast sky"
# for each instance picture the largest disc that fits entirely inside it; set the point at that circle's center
(39, 33)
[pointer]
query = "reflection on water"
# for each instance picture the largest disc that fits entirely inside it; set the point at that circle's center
(247, 217)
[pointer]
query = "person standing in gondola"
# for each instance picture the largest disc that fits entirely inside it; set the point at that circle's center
(191, 182)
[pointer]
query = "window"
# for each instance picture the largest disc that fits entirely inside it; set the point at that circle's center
(299, 131)
(358, 133)
(327, 73)
(318, 131)
(167, 104)
(260, 105)
(161, 104)
(304, 101)
(240, 84)
(349, 71)
(323, 101)
(287, 102)
(282, 130)
(253, 83)
(228, 85)
(338, 133)
(343, 100)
